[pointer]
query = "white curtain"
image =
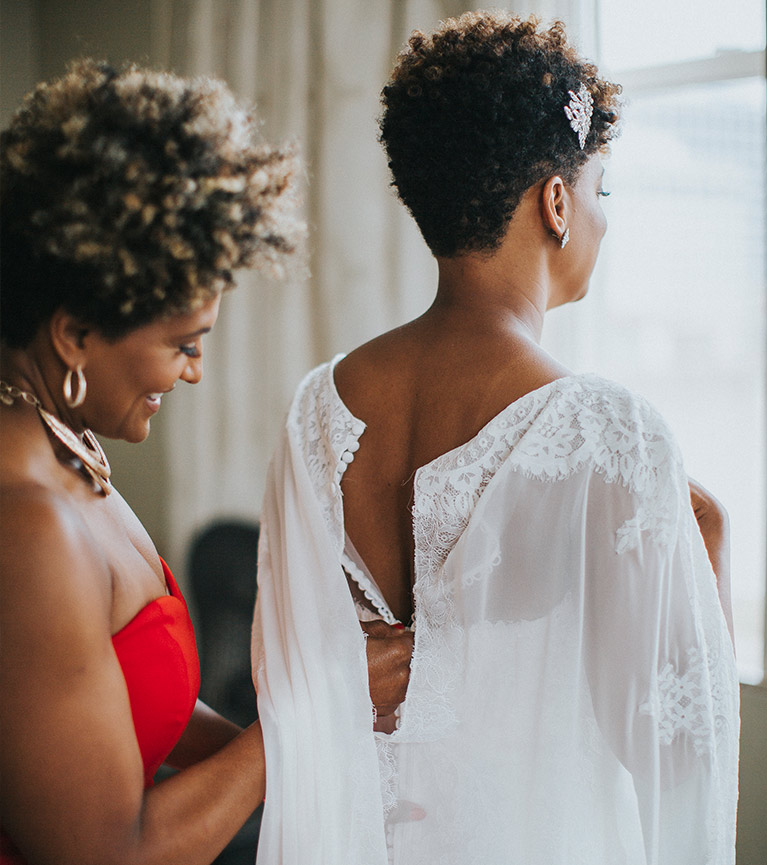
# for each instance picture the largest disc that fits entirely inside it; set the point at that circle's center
(315, 69)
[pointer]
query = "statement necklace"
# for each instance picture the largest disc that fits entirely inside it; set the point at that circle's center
(87, 450)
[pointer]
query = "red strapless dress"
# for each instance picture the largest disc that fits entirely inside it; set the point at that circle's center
(158, 656)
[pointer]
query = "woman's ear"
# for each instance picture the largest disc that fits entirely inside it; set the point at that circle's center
(67, 334)
(554, 205)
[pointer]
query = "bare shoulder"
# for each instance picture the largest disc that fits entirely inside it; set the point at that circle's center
(70, 760)
(379, 353)
(384, 363)
(37, 517)
(51, 570)
(426, 367)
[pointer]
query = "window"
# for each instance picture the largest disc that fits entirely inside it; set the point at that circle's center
(677, 305)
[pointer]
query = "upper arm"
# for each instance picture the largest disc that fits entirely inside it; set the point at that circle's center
(71, 767)
(206, 734)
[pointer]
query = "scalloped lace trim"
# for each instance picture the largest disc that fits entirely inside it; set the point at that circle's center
(355, 569)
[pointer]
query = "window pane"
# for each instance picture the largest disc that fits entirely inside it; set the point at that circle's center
(676, 309)
(658, 32)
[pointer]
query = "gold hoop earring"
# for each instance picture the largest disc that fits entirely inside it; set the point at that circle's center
(76, 400)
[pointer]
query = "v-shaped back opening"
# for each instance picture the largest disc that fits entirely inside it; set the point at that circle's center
(357, 568)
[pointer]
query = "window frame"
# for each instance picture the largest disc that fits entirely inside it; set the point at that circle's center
(724, 66)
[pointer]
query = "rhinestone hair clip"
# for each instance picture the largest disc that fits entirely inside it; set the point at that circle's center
(579, 112)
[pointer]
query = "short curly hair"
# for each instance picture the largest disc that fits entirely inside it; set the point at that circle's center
(129, 195)
(473, 116)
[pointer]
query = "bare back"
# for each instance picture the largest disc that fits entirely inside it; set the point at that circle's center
(421, 390)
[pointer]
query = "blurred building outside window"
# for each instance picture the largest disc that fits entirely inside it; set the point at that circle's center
(677, 304)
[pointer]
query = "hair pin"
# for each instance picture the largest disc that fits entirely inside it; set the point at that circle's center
(579, 113)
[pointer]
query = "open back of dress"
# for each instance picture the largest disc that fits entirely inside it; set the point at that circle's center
(573, 696)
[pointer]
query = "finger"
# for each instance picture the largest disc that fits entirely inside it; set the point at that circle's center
(406, 812)
(386, 723)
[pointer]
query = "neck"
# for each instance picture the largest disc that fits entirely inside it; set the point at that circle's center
(81, 450)
(502, 294)
(509, 289)
(39, 371)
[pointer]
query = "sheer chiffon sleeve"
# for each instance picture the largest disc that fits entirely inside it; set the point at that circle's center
(660, 667)
(323, 796)
(595, 643)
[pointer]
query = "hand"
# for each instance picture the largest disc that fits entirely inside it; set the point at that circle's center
(714, 525)
(389, 651)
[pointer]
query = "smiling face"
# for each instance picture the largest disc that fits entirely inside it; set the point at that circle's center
(128, 377)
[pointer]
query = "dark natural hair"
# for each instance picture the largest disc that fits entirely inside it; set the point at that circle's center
(129, 195)
(473, 116)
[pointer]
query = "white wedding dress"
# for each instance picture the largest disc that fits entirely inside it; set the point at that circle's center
(573, 698)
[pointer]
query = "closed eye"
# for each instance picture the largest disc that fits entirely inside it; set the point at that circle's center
(190, 350)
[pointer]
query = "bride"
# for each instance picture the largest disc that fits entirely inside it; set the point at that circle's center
(573, 695)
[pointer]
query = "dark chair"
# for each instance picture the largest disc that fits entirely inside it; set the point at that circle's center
(222, 567)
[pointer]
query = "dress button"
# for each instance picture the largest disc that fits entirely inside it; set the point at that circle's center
(358, 428)
(347, 457)
(342, 468)
(354, 447)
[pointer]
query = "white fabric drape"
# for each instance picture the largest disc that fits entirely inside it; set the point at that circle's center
(573, 697)
(315, 69)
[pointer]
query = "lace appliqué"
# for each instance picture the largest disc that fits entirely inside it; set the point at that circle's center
(680, 703)
(598, 423)
(325, 431)
(388, 769)
(550, 434)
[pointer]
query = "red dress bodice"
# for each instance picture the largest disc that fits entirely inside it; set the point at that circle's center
(158, 656)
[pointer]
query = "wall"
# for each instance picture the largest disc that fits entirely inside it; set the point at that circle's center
(112, 31)
(752, 810)
(19, 53)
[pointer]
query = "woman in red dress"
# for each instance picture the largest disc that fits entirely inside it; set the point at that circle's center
(128, 198)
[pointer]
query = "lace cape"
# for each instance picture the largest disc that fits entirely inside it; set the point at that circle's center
(573, 695)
